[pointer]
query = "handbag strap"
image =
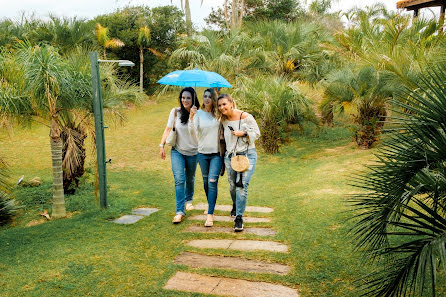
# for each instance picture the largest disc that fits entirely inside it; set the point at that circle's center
(239, 124)
(174, 119)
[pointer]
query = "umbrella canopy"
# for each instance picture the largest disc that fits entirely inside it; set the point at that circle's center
(195, 78)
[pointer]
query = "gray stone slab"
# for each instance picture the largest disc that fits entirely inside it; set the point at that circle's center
(253, 245)
(256, 231)
(263, 209)
(229, 219)
(191, 282)
(211, 243)
(232, 263)
(241, 245)
(144, 211)
(128, 219)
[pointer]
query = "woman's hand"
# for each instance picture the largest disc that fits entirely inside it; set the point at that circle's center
(239, 133)
(162, 153)
(192, 113)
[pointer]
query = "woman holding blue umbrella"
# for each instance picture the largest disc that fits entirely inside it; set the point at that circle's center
(204, 124)
(183, 154)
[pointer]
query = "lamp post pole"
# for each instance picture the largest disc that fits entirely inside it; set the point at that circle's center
(99, 129)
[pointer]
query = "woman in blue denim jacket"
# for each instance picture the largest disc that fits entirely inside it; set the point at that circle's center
(183, 155)
(204, 125)
(240, 132)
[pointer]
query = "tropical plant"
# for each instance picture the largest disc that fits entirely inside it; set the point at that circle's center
(365, 93)
(104, 40)
(401, 219)
(62, 33)
(275, 102)
(37, 83)
(8, 208)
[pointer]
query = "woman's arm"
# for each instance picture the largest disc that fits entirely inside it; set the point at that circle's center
(163, 142)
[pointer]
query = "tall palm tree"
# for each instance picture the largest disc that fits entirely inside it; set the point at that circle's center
(401, 213)
(104, 40)
(143, 41)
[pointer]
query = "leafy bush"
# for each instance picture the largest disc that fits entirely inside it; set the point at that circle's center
(7, 205)
(275, 102)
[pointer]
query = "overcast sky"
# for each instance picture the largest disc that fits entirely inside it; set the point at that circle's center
(91, 8)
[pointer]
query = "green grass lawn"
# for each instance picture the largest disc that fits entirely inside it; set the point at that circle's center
(85, 254)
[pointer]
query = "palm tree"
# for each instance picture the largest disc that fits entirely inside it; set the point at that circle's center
(401, 220)
(364, 92)
(46, 83)
(274, 102)
(104, 40)
(142, 41)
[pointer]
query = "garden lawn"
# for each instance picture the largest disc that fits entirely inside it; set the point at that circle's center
(86, 254)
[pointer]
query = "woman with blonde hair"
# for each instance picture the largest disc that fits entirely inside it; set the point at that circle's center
(240, 133)
(204, 125)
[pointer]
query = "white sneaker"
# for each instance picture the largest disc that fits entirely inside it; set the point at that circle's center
(189, 206)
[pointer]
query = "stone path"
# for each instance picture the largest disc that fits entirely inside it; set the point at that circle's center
(191, 282)
(229, 219)
(203, 206)
(256, 231)
(137, 214)
(231, 263)
(198, 283)
(241, 245)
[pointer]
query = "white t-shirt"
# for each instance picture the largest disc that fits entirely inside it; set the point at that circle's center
(248, 125)
(187, 144)
(205, 128)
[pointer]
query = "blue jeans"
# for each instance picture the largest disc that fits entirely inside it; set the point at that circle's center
(210, 165)
(183, 168)
(240, 195)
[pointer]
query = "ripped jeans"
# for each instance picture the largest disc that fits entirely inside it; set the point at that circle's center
(240, 195)
(210, 165)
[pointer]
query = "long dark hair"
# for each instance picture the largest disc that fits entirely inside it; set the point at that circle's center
(184, 114)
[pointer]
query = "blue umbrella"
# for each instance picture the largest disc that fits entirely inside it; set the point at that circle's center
(195, 78)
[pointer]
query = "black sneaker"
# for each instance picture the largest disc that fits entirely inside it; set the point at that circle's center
(233, 212)
(238, 226)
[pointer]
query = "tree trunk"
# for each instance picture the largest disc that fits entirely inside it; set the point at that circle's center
(234, 14)
(56, 158)
(141, 69)
(188, 18)
(241, 10)
(226, 14)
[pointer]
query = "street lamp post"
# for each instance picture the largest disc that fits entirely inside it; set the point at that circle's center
(99, 122)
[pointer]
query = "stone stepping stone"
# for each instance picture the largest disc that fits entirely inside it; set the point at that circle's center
(234, 263)
(128, 219)
(241, 245)
(256, 231)
(229, 219)
(203, 206)
(191, 282)
(144, 211)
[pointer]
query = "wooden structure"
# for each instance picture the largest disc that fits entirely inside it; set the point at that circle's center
(416, 5)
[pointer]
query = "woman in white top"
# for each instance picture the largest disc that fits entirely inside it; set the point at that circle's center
(240, 132)
(204, 125)
(184, 154)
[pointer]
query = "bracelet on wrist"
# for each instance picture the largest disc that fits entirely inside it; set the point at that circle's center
(161, 145)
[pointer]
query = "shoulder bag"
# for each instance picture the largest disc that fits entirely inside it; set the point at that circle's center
(172, 137)
(239, 162)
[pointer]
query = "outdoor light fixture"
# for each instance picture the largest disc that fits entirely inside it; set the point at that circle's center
(122, 63)
(99, 122)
